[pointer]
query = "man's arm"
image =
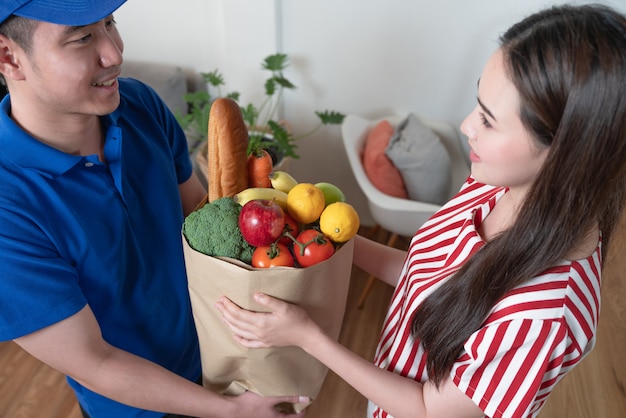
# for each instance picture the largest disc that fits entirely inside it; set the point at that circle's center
(75, 347)
(191, 193)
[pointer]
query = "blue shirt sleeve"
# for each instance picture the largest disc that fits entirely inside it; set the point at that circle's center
(40, 286)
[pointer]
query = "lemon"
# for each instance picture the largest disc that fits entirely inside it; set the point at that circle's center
(305, 203)
(339, 221)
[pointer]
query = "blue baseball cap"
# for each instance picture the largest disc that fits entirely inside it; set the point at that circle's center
(62, 12)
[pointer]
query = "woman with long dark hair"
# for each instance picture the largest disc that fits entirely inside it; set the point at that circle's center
(498, 295)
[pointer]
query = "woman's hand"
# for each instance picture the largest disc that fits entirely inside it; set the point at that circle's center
(285, 324)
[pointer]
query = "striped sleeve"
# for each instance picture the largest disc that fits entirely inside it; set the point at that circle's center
(532, 339)
(505, 364)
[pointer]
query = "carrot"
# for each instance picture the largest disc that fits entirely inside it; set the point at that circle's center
(259, 169)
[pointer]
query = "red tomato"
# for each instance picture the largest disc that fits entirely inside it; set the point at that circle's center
(312, 247)
(291, 226)
(273, 255)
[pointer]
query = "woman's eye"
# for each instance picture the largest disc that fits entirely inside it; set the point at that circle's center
(484, 120)
(110, 22)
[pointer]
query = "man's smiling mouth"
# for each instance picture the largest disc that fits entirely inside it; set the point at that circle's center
(104, 83)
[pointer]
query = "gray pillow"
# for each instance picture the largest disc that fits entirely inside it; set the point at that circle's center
(422, 159)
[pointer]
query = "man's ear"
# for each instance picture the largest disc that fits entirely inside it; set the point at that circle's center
(9, 62)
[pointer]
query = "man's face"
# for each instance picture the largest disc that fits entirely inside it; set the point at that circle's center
(73, 70)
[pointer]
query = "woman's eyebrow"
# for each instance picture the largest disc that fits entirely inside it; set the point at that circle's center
(482, 105)
(485, 109)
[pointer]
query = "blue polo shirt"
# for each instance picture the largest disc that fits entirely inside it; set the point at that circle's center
(77, 231)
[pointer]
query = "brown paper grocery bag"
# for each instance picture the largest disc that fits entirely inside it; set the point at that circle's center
(229, 368)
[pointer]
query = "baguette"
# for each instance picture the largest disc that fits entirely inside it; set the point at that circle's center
(227, 150)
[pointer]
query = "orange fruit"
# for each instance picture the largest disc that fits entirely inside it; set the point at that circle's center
(305, 203)
(339, 221)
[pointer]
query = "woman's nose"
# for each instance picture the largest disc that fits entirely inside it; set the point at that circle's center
(467, 128)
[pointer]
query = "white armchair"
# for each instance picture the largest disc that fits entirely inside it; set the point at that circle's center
(401, 217)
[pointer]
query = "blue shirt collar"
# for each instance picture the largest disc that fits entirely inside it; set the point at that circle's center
(22, 149)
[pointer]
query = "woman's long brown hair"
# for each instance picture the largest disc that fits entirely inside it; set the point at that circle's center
(568, 64)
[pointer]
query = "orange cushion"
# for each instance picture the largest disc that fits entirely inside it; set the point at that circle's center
(378, 167)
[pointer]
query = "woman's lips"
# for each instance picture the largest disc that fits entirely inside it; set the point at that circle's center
(473, 157)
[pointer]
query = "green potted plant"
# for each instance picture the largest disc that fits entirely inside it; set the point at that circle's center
(265, 132)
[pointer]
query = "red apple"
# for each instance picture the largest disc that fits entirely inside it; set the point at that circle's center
(261, 222)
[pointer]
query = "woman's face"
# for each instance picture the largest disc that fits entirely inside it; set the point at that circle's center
(503, 153)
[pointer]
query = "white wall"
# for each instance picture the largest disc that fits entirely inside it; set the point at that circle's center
(371, 57)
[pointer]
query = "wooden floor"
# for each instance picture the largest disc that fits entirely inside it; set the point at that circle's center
(595, 389)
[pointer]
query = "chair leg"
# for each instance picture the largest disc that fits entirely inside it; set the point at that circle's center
(372, 279)
(372, 232)
(366, 291)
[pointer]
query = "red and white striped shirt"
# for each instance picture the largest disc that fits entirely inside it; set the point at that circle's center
(532, 337)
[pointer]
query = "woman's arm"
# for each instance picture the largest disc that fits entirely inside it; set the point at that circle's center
(288, 324)
(75, 347)
(378, 259)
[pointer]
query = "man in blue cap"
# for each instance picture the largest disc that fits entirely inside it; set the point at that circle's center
(95, 181)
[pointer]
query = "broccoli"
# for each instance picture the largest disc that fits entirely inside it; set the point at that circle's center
(214, 230)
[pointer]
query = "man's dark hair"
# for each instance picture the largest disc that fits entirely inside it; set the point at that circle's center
(20, 30)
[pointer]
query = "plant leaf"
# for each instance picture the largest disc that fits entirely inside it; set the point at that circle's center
(330, 117)
(283, 139)
(214, 78)
(184, 120)
(250, 114)
(198, 98)
(270, 87)
(234, 95)
(276, 62)
(283, 82)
